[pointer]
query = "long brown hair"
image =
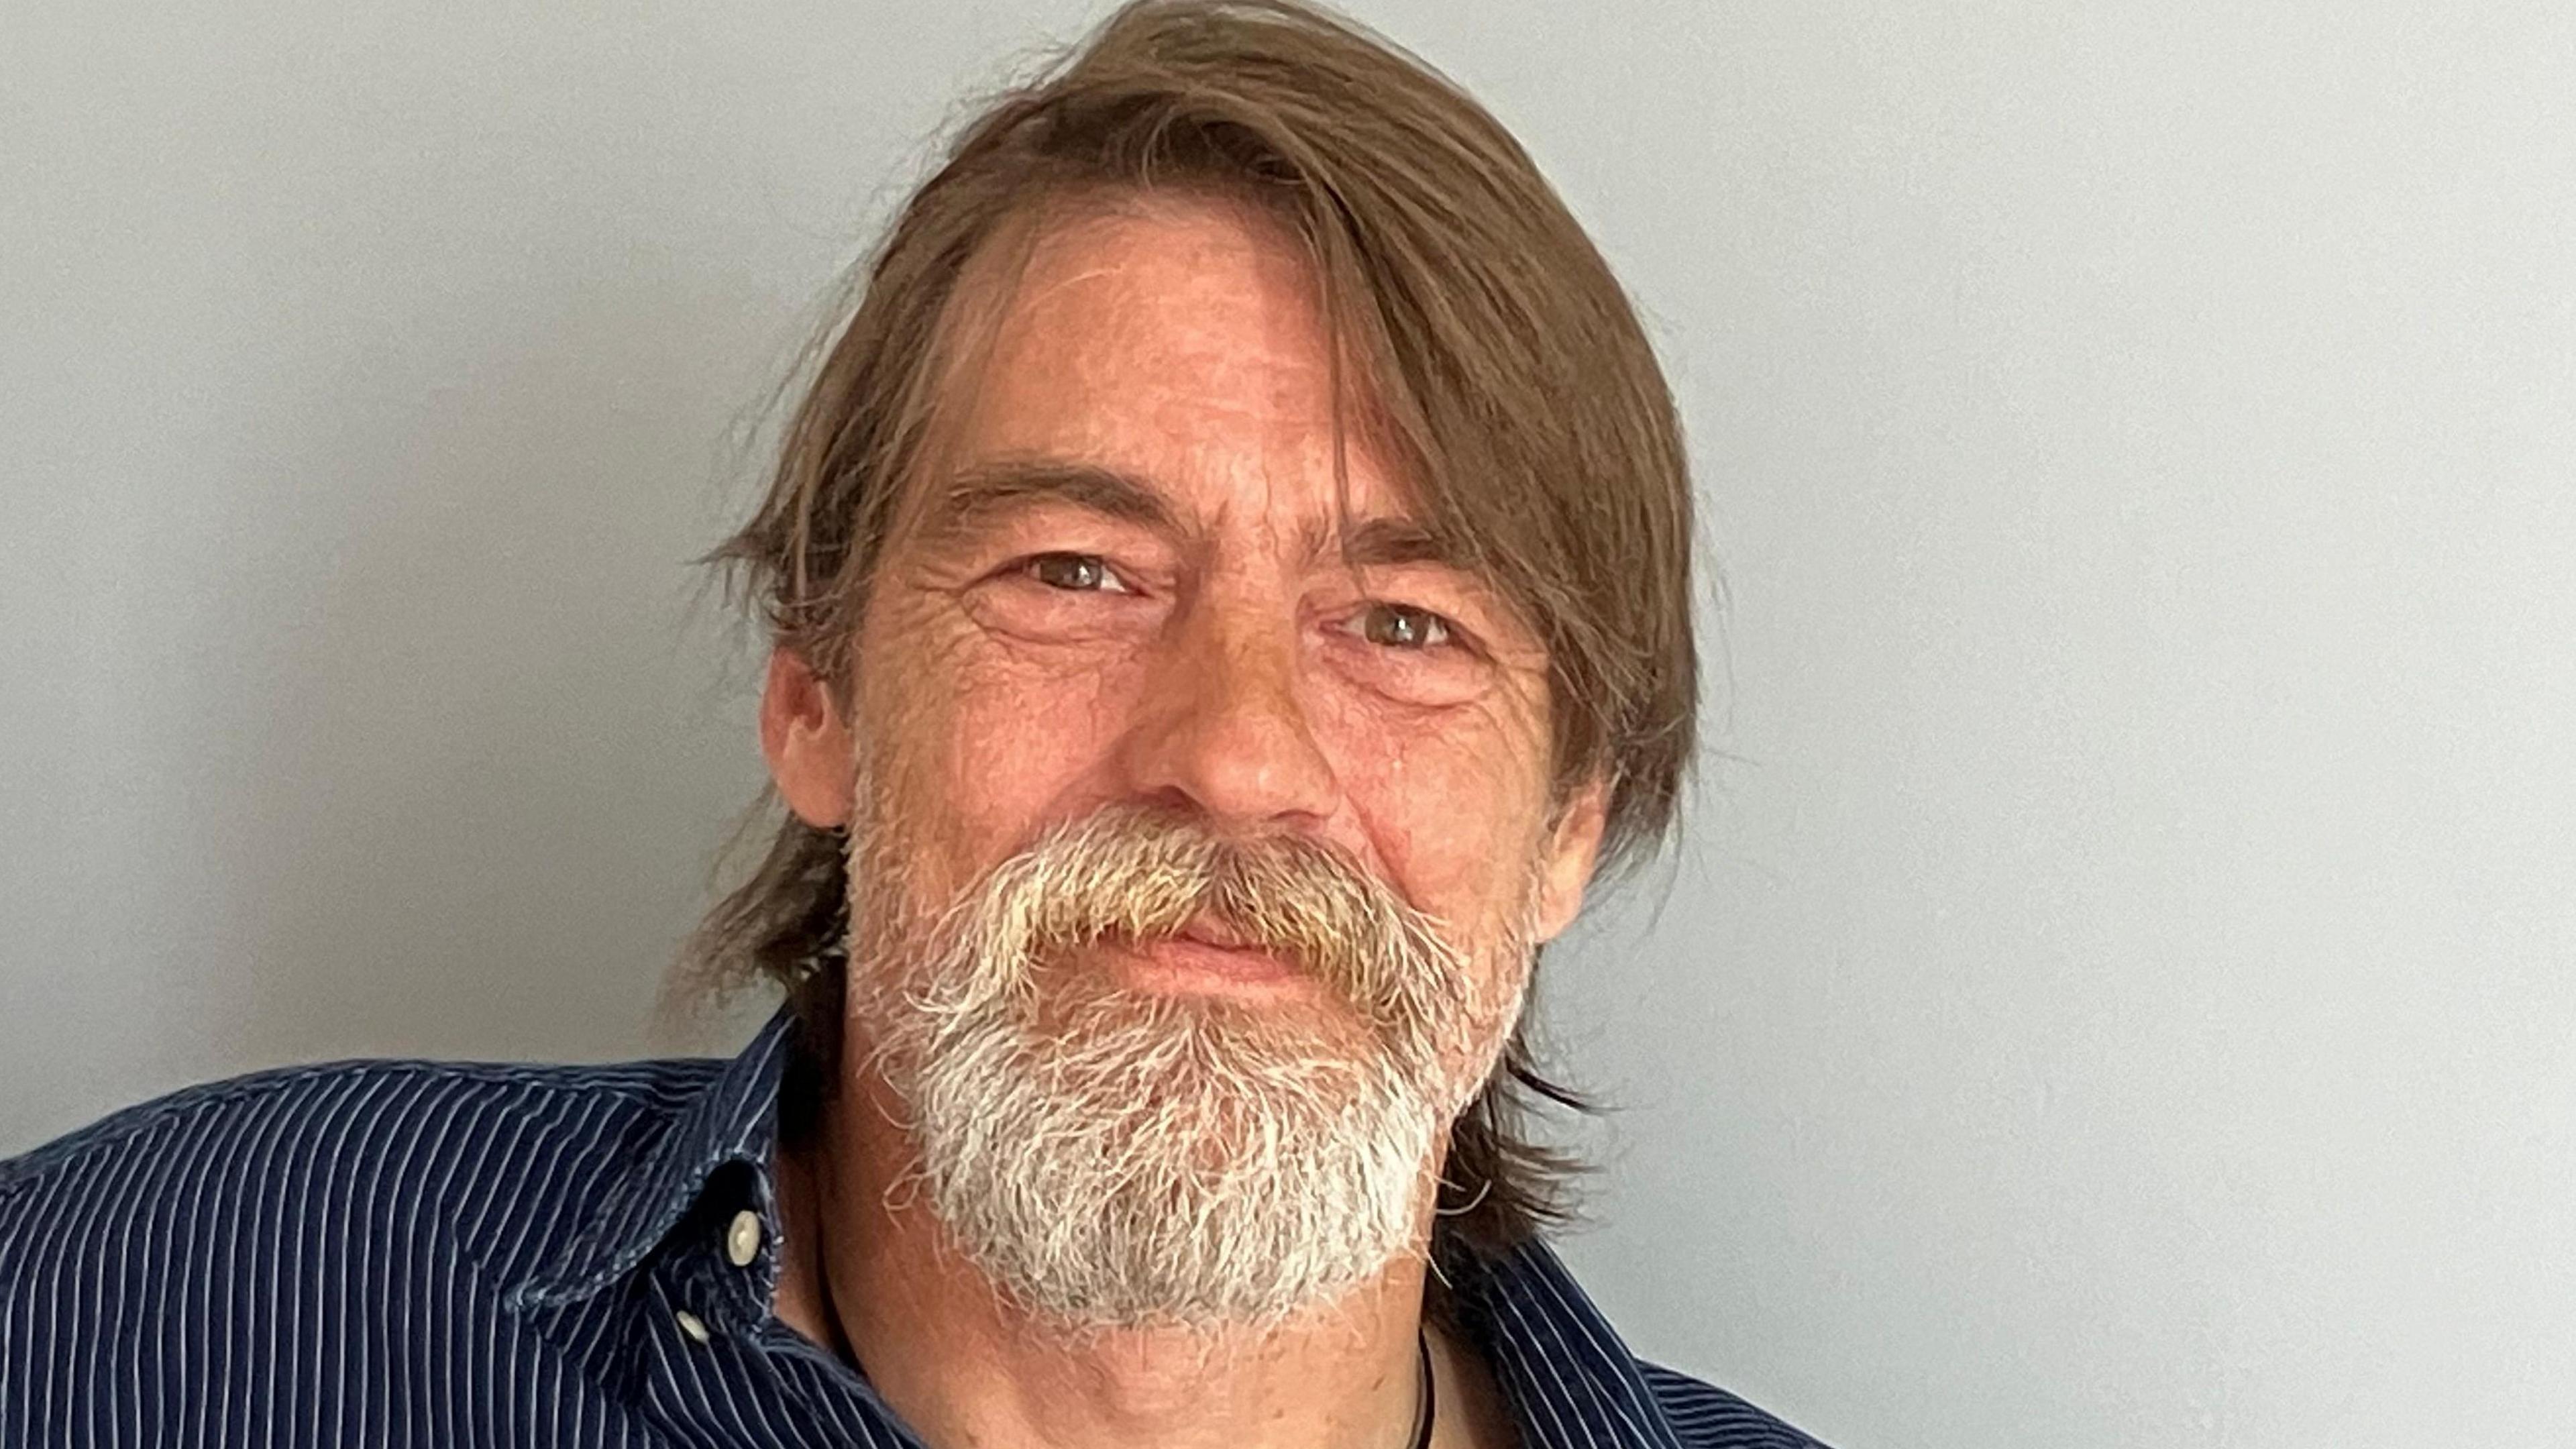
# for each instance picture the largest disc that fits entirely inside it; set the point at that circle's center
(1498, 365)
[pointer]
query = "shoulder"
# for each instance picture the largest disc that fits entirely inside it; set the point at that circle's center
(1549, 1339)
(323, 1155)
(214, 1255)
(351, 1109)
(1705, 1416)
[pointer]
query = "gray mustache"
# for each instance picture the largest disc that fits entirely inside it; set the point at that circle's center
(1143, 873)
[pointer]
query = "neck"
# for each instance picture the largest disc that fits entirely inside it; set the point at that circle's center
(881, 1281)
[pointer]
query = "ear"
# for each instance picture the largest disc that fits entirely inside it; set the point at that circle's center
(1573, 846)
(806, 742)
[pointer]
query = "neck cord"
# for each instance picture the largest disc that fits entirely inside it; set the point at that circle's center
(1422, 1419)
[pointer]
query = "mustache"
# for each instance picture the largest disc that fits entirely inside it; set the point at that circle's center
(1142, 873)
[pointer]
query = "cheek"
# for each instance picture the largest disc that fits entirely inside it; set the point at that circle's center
(980, 745)
(1451, 804)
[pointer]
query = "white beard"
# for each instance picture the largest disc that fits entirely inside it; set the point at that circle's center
(1113, 1158)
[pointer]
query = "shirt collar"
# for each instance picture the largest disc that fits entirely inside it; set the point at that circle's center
(1567, 1376)
(1569, 1379)
(730, 1117)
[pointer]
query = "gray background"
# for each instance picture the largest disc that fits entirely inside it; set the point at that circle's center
(2117, 990)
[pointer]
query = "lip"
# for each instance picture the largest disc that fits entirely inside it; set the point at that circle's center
(1209, 958)
(1210, 930)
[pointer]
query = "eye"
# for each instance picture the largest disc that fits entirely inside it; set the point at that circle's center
(1075, 573)
(1402, 626)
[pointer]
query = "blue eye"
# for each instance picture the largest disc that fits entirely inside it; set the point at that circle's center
(1074, 573)
(1402, 626)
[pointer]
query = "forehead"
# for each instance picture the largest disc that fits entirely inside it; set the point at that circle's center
(1176, 339)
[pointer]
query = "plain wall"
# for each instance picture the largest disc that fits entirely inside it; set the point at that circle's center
(2117, 986)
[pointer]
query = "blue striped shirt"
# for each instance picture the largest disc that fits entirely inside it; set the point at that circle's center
(448, 1255)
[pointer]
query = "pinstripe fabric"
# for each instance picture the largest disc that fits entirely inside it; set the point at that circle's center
(435, 1254)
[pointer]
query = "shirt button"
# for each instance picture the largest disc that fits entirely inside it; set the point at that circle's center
(742, 1240)
(691, 1325)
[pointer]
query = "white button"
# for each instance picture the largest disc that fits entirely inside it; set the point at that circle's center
(691, 1325)
(742, 1240)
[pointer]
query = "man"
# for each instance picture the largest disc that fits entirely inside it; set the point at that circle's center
(1229, 588)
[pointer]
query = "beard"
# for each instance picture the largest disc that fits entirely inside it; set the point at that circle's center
(1111, 1157)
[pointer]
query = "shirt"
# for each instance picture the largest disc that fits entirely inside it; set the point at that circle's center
(447, 1255)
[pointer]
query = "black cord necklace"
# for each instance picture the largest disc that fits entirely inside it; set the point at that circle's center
(1422, 1419)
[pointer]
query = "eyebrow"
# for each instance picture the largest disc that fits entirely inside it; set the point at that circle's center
(980, 492)
(1385, 541)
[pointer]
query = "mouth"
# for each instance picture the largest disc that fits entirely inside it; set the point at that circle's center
(1212, 957)
(1207, 928)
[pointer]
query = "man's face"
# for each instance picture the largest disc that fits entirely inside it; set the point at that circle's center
(1133, 589)
(1042, 657)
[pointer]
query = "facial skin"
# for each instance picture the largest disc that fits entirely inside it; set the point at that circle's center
(1145, 601)
(1043, 658)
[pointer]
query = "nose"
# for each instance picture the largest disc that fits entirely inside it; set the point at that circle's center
(1224, 725)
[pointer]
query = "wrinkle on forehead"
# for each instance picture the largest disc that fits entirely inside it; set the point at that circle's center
(1037, 254)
